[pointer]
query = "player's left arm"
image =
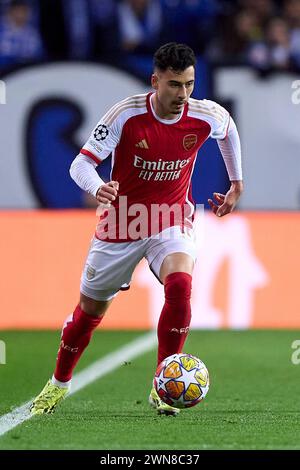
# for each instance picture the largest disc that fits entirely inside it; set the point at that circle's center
(230, 148)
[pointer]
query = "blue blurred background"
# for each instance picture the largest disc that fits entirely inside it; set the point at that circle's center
(65, 62)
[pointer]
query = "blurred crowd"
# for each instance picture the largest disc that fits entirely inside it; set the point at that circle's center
(262, 33)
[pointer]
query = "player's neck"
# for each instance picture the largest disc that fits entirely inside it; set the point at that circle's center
(160, 110)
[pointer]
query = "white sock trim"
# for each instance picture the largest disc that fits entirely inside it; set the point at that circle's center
(60, 384)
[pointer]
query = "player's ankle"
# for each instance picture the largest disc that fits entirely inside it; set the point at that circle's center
(60, 384)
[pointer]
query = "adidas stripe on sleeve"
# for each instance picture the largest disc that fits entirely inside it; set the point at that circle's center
(107, 133)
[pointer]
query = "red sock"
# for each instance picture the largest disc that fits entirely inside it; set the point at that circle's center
(175, 317)
(76, 335)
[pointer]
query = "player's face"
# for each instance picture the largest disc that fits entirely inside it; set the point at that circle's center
(173, 90)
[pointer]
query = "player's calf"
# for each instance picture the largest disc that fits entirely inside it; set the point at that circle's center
(175, 318)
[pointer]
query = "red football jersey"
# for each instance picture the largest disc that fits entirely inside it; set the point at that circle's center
(153, 161)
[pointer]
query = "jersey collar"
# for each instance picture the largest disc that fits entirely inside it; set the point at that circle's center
(163, 121)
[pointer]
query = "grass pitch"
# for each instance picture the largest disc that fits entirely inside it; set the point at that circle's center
(253, 401)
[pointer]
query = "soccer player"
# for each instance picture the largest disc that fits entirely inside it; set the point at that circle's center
(154, 139)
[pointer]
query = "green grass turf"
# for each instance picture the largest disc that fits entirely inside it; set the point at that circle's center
(253, 402)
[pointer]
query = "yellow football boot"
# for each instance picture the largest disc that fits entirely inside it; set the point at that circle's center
(48, 399)
(161, 407)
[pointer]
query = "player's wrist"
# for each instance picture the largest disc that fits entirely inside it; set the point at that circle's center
(237, 186)
(98, 188)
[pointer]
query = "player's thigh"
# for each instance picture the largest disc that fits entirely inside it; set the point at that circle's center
(172, 251)
(109, 268)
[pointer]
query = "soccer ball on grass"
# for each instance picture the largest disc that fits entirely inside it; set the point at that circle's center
(181, 380)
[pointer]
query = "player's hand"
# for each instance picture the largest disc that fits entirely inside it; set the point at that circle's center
(225, 203)
(108, 192)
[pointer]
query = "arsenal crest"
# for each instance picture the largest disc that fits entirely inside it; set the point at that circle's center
(90, 273)
(189, 141)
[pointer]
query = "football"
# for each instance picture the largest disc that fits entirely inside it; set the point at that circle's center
(181, 380)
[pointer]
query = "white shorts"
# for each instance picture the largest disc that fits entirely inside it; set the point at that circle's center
(109, 266)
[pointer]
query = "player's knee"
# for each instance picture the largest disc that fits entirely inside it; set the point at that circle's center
(94, 311)
(96, 308)
(178, 286)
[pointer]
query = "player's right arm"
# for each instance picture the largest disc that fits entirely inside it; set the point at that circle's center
(83, 172)
(103, 140)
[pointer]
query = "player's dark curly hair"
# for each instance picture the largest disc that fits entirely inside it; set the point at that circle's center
(174, 56)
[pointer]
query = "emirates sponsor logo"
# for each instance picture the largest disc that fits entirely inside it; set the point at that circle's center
(189, 141)
(160, 164)
(159, 170)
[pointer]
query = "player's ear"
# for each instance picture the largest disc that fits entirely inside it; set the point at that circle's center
(154, 81)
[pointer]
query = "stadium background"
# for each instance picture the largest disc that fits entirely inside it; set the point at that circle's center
(57, 89)
(63, 63)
